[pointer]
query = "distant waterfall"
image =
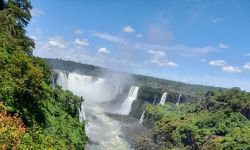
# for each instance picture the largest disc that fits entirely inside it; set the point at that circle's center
(178, 101)
(163, 98)
(126, 105)
(82, 113)
(142, 117)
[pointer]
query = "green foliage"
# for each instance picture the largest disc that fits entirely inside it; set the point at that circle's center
(49, 119)
(193, 126)
(57, 131)
(69, 102)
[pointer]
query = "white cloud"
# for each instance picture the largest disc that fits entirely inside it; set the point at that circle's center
(224, 67)
(218, 63)
(163, 63)
(172, 64)
(217, 20)
(37, 30)
(81, 43)
(78, 32)
(128, 29)
(178, 49)
(247, 66)
(191, 51)
(223, 46)
(35, 38)
(159, 58)
(181, 50)
(157, 54)
(103, 50)
(36, 12)
(109, 37)
(231, 69)
(55, 42)
(248, 54)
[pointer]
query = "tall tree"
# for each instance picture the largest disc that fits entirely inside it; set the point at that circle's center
(1, 5)
(14, 16)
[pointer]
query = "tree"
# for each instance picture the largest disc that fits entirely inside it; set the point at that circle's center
(14, 16)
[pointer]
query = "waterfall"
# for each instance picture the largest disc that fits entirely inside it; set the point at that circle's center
(53, 82)
(178, 101)
(93, 90)
(62, 80)
(82, 115)
(154, 100)
(142, 117)
(163, 98)
(90, 88)
(126, 105)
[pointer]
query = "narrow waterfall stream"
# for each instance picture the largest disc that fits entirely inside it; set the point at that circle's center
(163, 98)
(178, 101)
(142, 117)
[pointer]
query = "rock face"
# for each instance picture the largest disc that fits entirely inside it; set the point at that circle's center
(140, 137)
(149, 95)
(246, 112)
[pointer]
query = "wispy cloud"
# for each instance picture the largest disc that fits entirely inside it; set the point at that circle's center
(177, 49)
(160, 34)
(248, 54)
(36, 12)
(247, 66)
(37, 30)
(159, 58)
(157, 54)
(78, 32)
(163, 63)
(231, 69)
(103, 50)
(223, 46)
(220, 63)
(55, 42)
(109, 37)
(217, 20)
(81, 43)
(225, 67)
(128, 29)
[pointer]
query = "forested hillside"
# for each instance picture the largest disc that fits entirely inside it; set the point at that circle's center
(32, 114)
(70, 66)
(220, 122)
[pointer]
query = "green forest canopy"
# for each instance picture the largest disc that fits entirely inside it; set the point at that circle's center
(32, 114)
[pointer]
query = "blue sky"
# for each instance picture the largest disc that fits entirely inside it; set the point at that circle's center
(194, 41)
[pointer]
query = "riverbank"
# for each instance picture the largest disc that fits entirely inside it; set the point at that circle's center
(139, 137)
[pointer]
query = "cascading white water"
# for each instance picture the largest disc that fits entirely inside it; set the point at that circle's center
(82, 115)
(142, 117)
(178, 101)
(100, 128)
(163, 98)
(126, 105)
(62, 80)
(74, 83)
(88, 87)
